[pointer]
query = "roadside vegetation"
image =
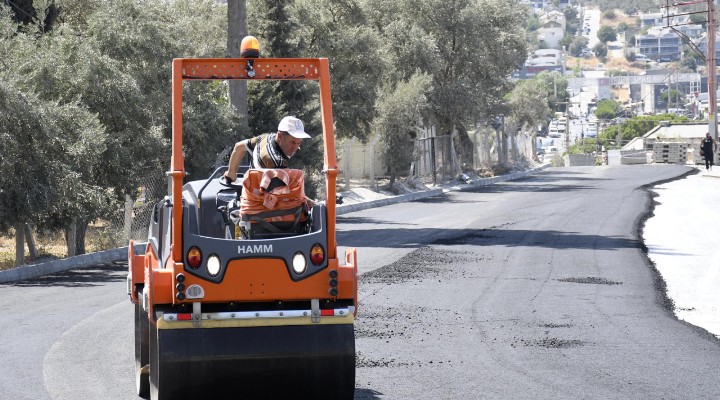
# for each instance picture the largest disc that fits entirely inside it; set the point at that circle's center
(84, 90)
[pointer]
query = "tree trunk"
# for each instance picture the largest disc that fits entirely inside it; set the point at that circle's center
(392, 181)
(498, 146)
(237, 29)
(80, 237)
(465, 147)
(70, 234)
(30, 242)
(504, 147)
(19, 245)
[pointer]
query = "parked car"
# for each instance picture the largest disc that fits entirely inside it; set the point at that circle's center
(665, 59)
(551, 150)
(642, 58)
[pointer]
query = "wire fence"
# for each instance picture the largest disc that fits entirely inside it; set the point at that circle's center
(435, 161)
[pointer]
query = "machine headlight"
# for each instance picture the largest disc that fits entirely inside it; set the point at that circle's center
(213, 265)
(298, 263)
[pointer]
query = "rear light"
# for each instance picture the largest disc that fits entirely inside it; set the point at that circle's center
(317, 254)
(194, 257)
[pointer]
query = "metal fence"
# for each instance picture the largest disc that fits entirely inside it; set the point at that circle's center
(435, 157)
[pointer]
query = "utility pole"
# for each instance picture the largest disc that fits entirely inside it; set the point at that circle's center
(710, 57)
(711, 71)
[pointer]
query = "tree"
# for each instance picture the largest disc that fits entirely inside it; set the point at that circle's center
(577, 45)
(600, 50)
(636, 126)
(236, 30)
(269, 102)
(528, 104)
(607, 34)
(607, 109)
(556, 88)
(340, 31)
(475, 46)
(114, 63)
(400, 112)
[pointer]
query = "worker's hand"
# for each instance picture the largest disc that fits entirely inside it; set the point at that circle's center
(228, 179)
(309, 202)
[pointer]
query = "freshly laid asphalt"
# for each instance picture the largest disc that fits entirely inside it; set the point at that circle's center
(93, 259)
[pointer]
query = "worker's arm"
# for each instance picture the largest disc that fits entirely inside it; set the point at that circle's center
(235, 158)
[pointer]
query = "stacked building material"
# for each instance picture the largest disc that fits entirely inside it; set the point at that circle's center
(670, 152)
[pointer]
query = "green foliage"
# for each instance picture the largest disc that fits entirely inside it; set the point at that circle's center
(528, 104)
(567, 40)
(584, 146)
(572, 23)
(606, 34)
(607, 109)
(629, 7)
(689, 63)
(636, 127)
(343, 33)
(609, 14)
(533, 23)
(99, 89)
(577, 45)
(399, 111)
(600, 50)
(671, 95)
(556, 88)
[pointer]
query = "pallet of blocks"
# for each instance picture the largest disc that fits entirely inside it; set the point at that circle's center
(670, 152)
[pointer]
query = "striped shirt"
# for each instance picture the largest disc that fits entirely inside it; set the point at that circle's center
(265, 152)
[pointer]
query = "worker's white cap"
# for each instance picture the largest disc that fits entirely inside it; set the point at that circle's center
(294, 127)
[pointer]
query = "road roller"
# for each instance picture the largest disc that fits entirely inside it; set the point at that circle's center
(235, 306)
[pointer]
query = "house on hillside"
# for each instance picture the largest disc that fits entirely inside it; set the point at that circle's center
(539, 5)
(649, 20)
(552, 28)
(541, 60)
(701, 43)
(659, 44)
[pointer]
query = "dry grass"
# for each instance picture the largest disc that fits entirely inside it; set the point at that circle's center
(619, 17)
(51, 246)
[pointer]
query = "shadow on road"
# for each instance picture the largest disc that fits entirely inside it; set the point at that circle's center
(366, 394)
(83, 277)
(412, 238)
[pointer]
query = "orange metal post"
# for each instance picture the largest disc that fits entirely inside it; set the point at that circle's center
(331, 169)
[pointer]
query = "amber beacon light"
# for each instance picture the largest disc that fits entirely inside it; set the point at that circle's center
(249, 47)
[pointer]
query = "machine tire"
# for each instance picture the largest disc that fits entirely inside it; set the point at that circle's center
(142, 358)
(155, 388)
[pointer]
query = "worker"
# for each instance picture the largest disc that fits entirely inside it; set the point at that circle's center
(269, 150)
(708, 148)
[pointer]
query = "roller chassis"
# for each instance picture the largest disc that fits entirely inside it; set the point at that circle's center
(257, 321)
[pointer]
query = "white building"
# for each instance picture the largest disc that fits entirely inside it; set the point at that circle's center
(552, 28)
(659, 44)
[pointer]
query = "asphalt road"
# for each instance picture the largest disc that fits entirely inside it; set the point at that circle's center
(531, 289)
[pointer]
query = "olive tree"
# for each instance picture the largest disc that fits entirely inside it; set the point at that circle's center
(400, 112)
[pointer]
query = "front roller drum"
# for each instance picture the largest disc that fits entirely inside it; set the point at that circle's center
(269, 362)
